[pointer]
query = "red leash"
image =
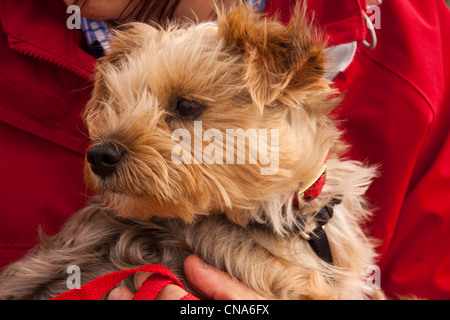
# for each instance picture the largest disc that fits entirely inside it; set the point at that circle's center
(96, 289)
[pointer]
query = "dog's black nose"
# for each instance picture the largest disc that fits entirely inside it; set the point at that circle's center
(104, 159)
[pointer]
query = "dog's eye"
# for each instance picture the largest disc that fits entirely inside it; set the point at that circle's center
(188, 109)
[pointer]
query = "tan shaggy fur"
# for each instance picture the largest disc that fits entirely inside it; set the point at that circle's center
(248, 72)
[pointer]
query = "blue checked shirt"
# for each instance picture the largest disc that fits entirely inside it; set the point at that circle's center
(98, 35)
(260, 4)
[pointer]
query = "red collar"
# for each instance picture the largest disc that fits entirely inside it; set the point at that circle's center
(310, 191)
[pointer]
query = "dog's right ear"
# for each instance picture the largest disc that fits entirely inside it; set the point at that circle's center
(276, 57)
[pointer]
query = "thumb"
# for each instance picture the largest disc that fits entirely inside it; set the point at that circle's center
(215, 284)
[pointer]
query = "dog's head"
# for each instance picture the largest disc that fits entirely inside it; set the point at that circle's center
(214, 117)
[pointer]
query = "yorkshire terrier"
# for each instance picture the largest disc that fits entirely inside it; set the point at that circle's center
(215, 139)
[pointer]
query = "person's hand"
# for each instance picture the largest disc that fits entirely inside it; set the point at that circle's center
(205, 279)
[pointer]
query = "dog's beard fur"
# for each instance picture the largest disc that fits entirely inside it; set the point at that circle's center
(249, 72)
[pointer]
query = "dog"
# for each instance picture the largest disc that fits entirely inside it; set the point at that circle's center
(287, 225)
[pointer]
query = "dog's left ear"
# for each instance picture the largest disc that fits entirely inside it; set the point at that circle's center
(128, 38)
(276, 57)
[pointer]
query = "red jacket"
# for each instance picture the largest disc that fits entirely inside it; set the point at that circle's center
(44, 85)
(396, 110)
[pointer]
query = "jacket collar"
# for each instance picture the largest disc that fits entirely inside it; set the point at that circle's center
(38, 29)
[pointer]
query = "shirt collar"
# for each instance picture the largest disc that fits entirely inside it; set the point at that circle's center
(98, 35)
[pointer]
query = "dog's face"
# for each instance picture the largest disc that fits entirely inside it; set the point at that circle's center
(170, 108)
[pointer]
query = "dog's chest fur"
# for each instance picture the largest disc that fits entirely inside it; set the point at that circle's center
(278, 267)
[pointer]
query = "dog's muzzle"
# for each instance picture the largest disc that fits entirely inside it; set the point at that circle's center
(104, 159)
